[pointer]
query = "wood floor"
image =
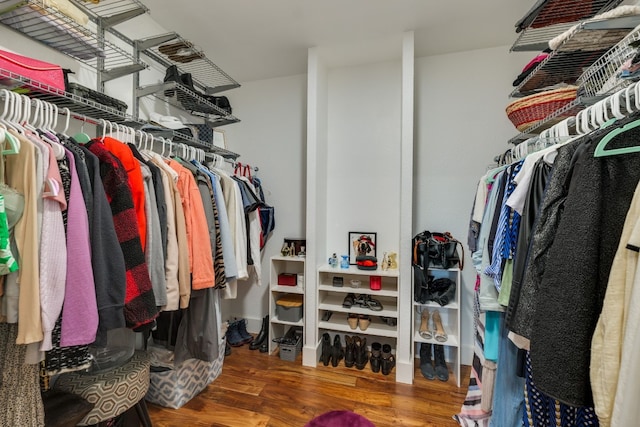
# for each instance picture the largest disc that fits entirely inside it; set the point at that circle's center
(255, 389)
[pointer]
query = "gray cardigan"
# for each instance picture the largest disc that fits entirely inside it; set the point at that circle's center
(569, 300)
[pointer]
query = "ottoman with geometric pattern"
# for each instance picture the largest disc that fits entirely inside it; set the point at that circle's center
(174, 388)
(112, 392)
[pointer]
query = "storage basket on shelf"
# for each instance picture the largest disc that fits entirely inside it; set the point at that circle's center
(527, 111)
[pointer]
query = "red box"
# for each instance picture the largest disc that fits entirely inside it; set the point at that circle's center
(375, 283)
(287, 279)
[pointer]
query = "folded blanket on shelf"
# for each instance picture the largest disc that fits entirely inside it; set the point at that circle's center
(67, 8)
(618, 12)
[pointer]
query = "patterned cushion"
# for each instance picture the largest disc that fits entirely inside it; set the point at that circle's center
(112, 392)
(174, 388)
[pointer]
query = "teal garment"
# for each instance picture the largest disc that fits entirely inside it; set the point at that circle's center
(491, 335)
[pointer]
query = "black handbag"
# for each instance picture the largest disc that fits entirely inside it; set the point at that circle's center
(437, 250)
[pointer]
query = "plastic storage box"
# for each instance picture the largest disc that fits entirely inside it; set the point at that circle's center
(290, 352)
(289, 308)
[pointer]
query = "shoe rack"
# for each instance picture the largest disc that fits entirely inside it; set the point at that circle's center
(348, 306)
(278, 327)
(450, 321)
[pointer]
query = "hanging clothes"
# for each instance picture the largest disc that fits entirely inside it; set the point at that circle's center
(139, 308)
(577, 272)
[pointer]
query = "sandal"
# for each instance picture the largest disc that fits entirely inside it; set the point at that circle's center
(425, 330)
(372, 304)
(440, 335)
(349, 300)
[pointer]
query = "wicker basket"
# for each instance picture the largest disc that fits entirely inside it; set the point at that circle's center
(527, 111)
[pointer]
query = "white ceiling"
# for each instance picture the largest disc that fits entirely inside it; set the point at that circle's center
(260, 39)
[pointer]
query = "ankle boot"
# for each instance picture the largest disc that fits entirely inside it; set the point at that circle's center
(262, 335)
(349, 351)
(171, 75)
(442, 372)
(336, 351)
(426, 364)
(362, 357)
(326, 349)
(375, 357)
(242, 329)
(233, 336)
(388, 360)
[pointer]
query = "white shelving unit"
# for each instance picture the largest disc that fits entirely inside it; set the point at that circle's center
(450, 315)
(279, 265)
(330, 298)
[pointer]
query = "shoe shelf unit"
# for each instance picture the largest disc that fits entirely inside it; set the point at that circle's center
(450, 315)
(278, 327)
(334, 317)
(85, 43)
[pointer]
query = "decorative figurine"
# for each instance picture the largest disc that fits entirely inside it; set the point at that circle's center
(385, 262)
(333, 261)
(393, 261)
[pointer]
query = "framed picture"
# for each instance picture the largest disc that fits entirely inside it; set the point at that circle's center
(361, 243)
(219, 139)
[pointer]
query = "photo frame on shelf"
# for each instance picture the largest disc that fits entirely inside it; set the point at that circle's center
(361, 243)
(219, 139)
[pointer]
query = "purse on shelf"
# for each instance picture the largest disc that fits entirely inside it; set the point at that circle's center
(43, 72)
(437, 250)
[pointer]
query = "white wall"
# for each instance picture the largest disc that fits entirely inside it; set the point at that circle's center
(272, 137)
(364, 155)
(461, 125)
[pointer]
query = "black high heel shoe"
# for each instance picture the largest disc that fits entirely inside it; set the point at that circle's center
(326, 349)
(336, 351)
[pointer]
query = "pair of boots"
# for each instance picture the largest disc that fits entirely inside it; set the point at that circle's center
(331, 352)
(381, 358)
(237, 334)
(185, 79)
(355, 352)
(436, 368)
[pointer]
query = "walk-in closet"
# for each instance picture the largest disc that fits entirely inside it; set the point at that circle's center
(314, 214)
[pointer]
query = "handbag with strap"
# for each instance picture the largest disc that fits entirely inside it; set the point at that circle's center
(437, 250)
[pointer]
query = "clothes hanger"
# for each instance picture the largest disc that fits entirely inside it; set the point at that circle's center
(81, 137)
(601, 149)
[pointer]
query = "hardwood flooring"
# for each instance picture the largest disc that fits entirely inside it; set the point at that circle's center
(256, 389)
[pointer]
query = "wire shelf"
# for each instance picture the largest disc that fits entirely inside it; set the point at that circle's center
(178, 137)
(190, 59)
(56, 30)
(603, 76)
(111, 8)
(583, 46)
(181, 97)
(76, 104)
(570, 109)
(549, 18)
